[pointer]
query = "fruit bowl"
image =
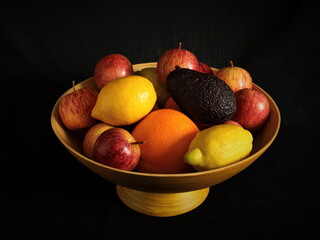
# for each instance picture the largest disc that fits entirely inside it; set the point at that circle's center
(164, 194)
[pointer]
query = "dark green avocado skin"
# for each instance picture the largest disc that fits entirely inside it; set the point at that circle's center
(202, 97)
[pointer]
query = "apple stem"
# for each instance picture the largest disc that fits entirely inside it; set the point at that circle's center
(180, 45)
(231, 63)
(139, 142)
(73, 85)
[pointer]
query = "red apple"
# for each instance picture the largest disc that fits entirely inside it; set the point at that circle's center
(91, 137)
(117, 148)
(204, 68)
(171, 104)
(173, 57)
(237, 78)
(111, 67)
(155, 107)
(75, 108)
(203, 126)
(231, 122)
(252, 109)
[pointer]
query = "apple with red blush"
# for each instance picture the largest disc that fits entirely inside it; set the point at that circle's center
(204, 68)
(236, 77)
(252, 109)
(171, 104)
(117, 148)
(75, 108)
(91, 137)
(173, 57)
(231, 122)
(111, 67)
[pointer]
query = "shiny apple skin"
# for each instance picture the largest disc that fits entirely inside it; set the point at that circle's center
(175, 57)
(91, 137)
(204, 68)
(252, 109)
(237, 78)
(111, 67)
(114, 148)
(75, 109)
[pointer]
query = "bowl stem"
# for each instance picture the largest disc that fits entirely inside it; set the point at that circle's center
(161, 204)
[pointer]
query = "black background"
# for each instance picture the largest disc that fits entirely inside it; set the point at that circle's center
(45, 45)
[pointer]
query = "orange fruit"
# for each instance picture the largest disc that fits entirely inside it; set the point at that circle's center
(167, 134)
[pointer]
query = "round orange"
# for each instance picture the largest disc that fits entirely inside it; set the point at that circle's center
(167, 134)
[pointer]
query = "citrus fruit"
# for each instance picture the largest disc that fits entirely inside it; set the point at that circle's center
(160, 88)
(218, 146)
(124, 101)
(167, 134)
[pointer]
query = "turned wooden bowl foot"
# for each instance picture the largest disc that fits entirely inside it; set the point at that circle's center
(161, 204)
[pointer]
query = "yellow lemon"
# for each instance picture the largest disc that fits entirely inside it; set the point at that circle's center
(124, 101)
(160, 88)
(218, 146)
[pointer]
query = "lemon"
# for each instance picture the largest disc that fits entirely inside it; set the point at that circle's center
(218, 146)
(160, 88)
(124, 101)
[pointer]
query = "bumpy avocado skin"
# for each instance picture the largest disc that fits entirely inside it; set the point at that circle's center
(203, 97)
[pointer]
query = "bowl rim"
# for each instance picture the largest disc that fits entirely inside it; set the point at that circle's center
(138, 67)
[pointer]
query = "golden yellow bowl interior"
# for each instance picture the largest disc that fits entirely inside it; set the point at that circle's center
(166, 182)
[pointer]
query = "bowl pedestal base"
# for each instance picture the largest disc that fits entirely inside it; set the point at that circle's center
(161, 204)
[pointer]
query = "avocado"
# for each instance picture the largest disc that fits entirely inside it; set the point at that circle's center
(204, 98)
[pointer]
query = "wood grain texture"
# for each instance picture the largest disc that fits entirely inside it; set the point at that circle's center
(161, 204)
(165, 183)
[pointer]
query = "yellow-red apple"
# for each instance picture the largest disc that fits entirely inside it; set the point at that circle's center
(91, 137)
(117, 148)
(236, 77)
(231, 122)
(173, 57)
(204, 68)
(252, 109)
(111, 67)
(75, 108)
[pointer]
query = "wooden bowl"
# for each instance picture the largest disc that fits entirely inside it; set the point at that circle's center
(164, 194)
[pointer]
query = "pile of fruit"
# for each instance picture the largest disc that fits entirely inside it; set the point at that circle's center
(177, 117)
